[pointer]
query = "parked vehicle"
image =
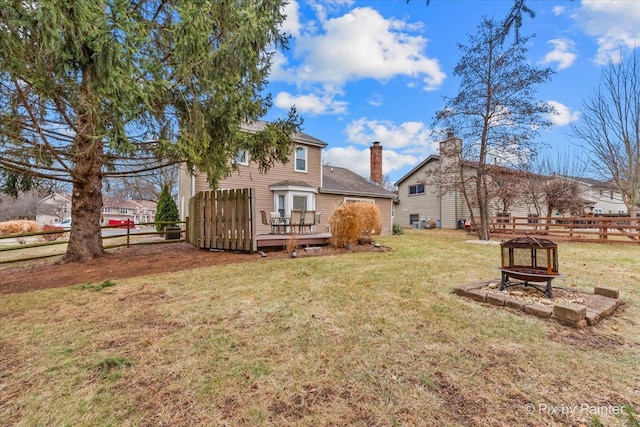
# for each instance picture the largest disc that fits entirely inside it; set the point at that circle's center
(66, 223)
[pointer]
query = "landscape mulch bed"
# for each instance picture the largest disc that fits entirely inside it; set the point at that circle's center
(139, 261)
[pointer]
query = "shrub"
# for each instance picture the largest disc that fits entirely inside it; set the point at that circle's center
(53, 236)
(397, 229)
(167, 210)
(354, 222)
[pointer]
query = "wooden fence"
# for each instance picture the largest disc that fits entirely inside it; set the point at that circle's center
(51, 243)
(584, 229)
(223, 219)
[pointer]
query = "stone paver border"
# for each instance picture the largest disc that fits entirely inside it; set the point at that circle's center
(602, 303)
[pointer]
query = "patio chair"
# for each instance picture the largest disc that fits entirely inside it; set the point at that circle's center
(308, 220)
(276, 221)
(296, 220)
(267, 221)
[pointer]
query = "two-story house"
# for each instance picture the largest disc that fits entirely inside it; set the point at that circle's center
(423, 196)
(301, 184)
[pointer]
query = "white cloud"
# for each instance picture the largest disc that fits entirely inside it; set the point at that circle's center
(375, 99)
(562, 53)
(558, 10)
(323, 8)
(403, 145)
(357, 160)
(291, 24)
(404, 135)
(362, 44)
(314, 104)
(564, 114)
(351, 158)
(614, 24)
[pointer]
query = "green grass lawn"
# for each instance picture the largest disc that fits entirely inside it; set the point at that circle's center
(360, 339)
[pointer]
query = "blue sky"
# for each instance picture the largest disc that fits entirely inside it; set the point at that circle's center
(362, 71)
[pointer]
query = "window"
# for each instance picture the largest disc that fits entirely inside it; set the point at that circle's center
(416, 189)
(413, 218)
(355, 199)
(597, 210)
(123, 210)
(106, 210)
(242, 158)
(291, 197)
(299, 203)
(280, 207)
(301, 159)
(532, 218)
(611, 195)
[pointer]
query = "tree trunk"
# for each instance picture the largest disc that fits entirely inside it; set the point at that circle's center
(85, 240)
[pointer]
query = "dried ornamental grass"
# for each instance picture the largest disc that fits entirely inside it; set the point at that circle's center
(351, 222)
(18, 226)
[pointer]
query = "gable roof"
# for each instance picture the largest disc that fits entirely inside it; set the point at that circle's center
(57, 197)
(299, 137)
(342, 181)
(417, 168)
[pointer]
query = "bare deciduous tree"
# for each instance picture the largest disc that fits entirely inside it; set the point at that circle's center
(494, 112)
(144, 186)
(556, 185)
(610, 125)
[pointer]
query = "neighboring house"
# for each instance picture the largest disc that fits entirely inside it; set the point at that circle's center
(138, 211)
(53, 209)
(603, 197)
(420, 199)
(301, 184)
(57, 206)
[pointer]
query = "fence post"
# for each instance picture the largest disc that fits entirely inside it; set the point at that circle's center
(571, 227)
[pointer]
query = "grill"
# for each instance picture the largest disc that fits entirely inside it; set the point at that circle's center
(527, 260)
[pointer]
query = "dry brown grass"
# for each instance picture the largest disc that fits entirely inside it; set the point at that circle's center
(353, 221)
(361, 339)
(18, 226)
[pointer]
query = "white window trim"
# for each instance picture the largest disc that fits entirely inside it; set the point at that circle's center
(246, 158)
(306, 159)
(289, 192)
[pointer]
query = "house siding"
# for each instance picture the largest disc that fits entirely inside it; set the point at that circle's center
(248, 176)
(323, 197)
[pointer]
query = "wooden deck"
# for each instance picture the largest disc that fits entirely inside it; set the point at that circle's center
(280, 240)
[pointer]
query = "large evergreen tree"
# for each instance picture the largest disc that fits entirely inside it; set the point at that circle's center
(495, 113)
(97, 88)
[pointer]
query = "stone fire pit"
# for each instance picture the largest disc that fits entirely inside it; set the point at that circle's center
(572, 308)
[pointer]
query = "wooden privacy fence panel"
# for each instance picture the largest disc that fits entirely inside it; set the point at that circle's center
(223, 219)
(585, 229)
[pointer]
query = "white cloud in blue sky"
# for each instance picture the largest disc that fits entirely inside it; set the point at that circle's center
(563, 53)
(564, 116)
(360, 44)
(615, 24)
(366, 70)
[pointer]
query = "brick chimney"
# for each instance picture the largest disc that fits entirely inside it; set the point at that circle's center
(376, 162)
